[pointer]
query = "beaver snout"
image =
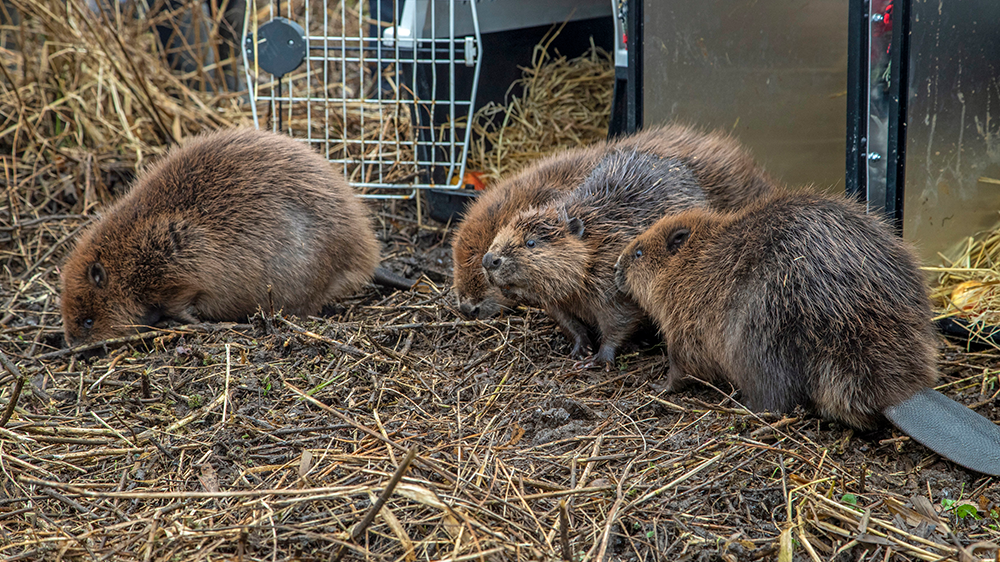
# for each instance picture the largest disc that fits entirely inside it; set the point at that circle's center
(491, 262)
(483, 309)
(468, 309)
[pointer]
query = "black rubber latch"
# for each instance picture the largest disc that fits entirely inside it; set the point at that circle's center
(281, 45)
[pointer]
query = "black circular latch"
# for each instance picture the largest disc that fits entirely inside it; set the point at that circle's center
(281, 46)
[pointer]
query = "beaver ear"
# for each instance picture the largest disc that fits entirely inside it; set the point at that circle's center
(575, 226)
(677, 239)
(96, 274)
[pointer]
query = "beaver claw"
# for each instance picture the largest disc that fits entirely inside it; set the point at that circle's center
(603, 357)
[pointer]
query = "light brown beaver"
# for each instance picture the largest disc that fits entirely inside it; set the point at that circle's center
(541, 183)
(204, 232)
(561, 257)
(726, 172)
(804, 300)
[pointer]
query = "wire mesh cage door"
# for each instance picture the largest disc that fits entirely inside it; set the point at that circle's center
(385, 88)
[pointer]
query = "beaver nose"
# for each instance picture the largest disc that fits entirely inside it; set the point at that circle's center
(468, 309)
(490, 261)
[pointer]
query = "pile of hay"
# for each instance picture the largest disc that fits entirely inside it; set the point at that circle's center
(565, 103)
(85, 98)
(966, 287)
(88, 96)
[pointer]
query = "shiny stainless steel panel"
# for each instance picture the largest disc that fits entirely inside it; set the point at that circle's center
(953, 143)
(774, 73)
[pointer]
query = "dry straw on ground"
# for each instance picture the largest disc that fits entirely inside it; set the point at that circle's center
(290, 438)
(273, 441)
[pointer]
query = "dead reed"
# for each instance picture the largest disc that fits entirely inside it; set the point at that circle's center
(85, 99)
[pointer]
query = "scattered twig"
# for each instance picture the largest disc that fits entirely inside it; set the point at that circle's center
(16, 393)
(328, 491)
(350, 349)
(152, 333)
(359, 530)
(429, 464)
(567, 551)
(613, 513)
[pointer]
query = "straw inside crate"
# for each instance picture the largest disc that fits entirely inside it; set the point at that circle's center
(564, 103)
(967, 286)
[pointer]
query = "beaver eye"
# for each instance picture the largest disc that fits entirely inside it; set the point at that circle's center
(638, 252)
(88, 323)
(530, 243)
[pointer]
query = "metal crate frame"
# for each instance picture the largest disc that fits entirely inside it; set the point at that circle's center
(396, 74)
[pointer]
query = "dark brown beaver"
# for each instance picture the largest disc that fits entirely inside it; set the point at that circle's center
(561, 257)
(205, 230)
(722, 167)
(801, 299)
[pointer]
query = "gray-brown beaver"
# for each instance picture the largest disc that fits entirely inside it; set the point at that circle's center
(727, 173)
(204, 232)
(803, 299)
(561, 256)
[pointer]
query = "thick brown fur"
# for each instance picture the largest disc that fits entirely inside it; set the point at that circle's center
(204, 232)
(729, 176)
(801, 299)
(541, 183)
(561, 257)
(727, 173)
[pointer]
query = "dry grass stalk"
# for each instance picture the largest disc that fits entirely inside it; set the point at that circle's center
(564, 103)
(917, 537)
(89, 84)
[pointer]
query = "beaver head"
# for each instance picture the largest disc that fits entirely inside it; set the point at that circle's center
(476, 298)
(107, 281)
(648, 263)
(541, 256)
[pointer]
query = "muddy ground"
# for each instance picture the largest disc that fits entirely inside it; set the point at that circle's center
(271, 440)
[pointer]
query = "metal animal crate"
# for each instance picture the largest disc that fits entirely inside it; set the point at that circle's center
(385, 88)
